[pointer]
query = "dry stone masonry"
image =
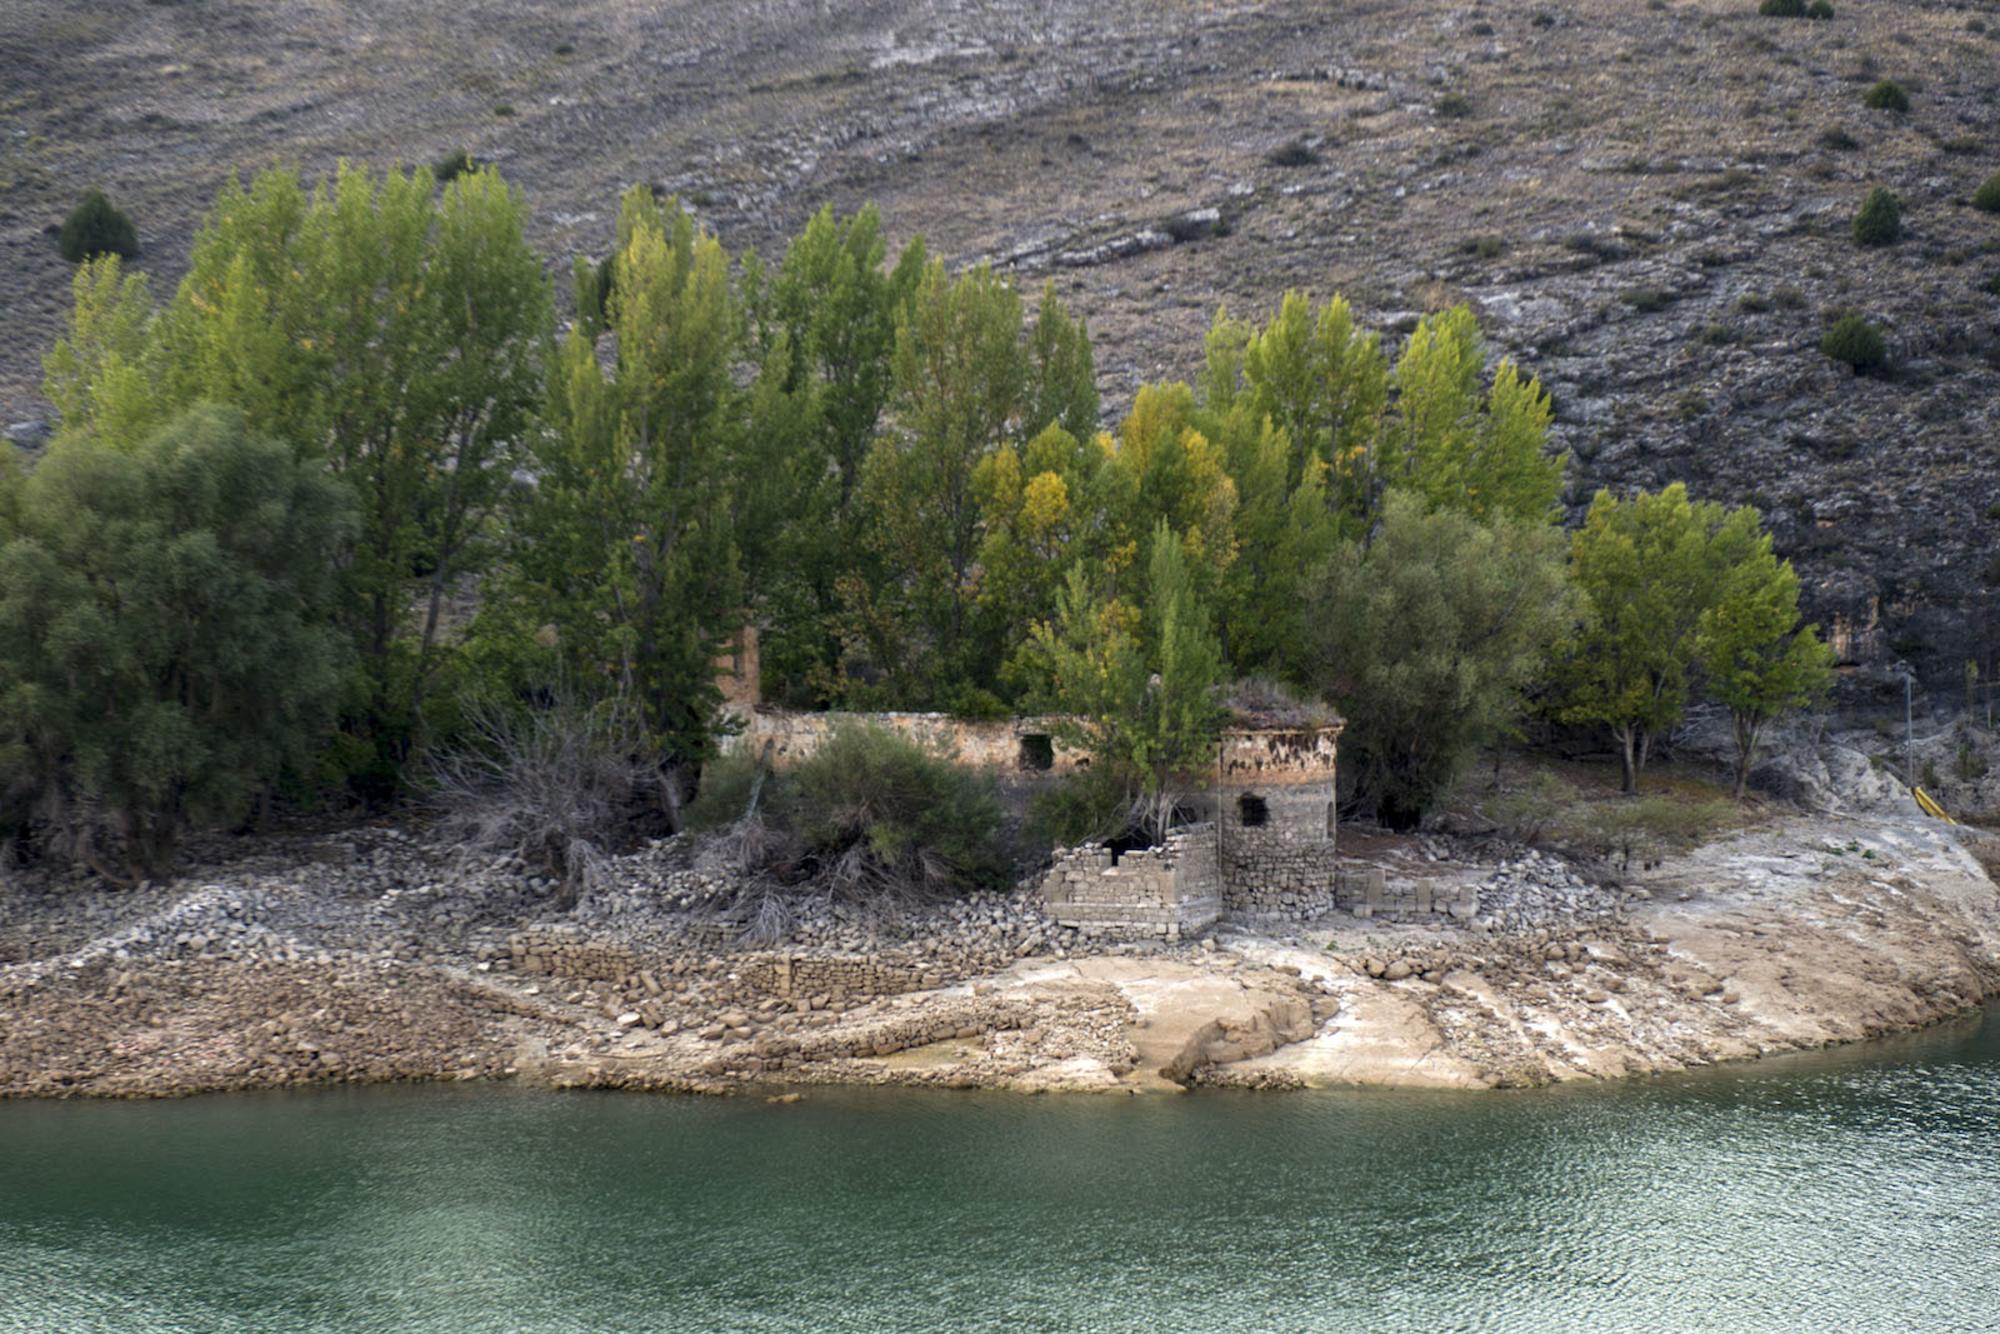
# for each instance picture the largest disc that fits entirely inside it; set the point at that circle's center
(1169, 891)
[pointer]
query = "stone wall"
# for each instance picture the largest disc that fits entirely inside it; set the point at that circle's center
(1170, 891)
(1025, 746)
(1277, 871)
(1369, 894)
(563, 951)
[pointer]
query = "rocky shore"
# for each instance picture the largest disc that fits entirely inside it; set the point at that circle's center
(373, 955)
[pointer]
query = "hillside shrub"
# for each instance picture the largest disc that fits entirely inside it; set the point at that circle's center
(1987, 197)
(1857, 343)
(1888, 95)
(96, 227)
(1819, 9)
(1782, 9)
(1839, 140)
(454, 165)
(1293, 153)
(1879, 221)
(1453, 106)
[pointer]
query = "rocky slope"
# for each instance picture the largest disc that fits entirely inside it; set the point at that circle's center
(1649, 204)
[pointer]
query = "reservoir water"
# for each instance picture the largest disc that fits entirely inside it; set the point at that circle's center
(1851, 1190)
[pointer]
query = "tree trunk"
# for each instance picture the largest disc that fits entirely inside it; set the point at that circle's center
(1628, 770)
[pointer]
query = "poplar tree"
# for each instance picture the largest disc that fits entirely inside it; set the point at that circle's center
(626, 552)
(1760, 662)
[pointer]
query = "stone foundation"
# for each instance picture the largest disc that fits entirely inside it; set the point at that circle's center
(1168, 892)
(1368, 894)
(560, 951)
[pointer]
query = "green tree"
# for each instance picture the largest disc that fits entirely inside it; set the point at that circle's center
(1427, 635)
(959, 371)
(1648, 569)
(397, 338)
(1139, 684)
(1759, 661)
(1325, 383)
(1482, 452)
(625, 557)
(1062, 372)
(95, 227)
(165, 646)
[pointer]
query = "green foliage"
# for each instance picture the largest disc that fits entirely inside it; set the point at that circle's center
(874, 807)
(1879, 221)
(1648, 828)
(96, 227)
(959, 371)
(164, 644)
(1760, 663)
(1856, 342)
(1887, 95)
(1648, 569)
(869, 815)
(454, 165)
(625, 559)
(1088, 806)
(1987, 197)
(1427, 637)
(1140, 684)
(1820, 9)
(1782, 9)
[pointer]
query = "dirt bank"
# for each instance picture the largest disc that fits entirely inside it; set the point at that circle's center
(372, 957)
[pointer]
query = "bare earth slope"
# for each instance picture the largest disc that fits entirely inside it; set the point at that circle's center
(1649, 204)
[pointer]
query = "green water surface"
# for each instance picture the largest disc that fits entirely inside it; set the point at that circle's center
(1858, 1190)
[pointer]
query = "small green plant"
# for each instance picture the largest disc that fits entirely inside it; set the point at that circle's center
(1715, 334)
(1452, 106)
(565, 48)
(1485, 247)
(1855, 342)
(1879, 221)
(454, 165)
(1750, 303)
(1993, 284)
(1782, 9)
(97, 227)
(1819, 9)
(504, 109)
(1789, 298)
(1839, 140)
(1987, 197)
(1888, 95)
(1646, 300)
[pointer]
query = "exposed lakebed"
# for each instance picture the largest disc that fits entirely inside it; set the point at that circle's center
(1850, 1189)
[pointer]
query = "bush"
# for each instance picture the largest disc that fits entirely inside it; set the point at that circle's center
(453, 165)
(1453, 106)
(1856, 342)
(1839, 140)
(97, 227)
(871, 817)
(1819, 9)
(1296, 153)
(1888, 95)
(561, 785)
(1649, 828)
(1987, 197)
(1089, 806)
(1782, 9)
(1879, 221)
(165, 647)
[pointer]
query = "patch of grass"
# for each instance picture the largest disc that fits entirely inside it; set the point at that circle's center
(1488, 246)
(504, 109)
(1646, 300)
(1887, 95)
(565, 48)
(1789, 298)
(1839, 140)
(1452, 106)
(1879, 221)
(95, 227)
(1750, 303)
(1715, 334)
(1855, 342)
(1965, 145)
(1993, 284)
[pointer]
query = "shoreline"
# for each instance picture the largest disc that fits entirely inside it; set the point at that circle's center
(365, 959)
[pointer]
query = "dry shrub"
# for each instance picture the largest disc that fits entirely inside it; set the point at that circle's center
(563, 787)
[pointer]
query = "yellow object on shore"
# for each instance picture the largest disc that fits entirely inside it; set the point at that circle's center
(1930, 807)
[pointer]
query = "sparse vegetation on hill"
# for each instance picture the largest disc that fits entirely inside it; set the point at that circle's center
(97, 227)
(1854, 341)
(1887, 95)
(1879, 221)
